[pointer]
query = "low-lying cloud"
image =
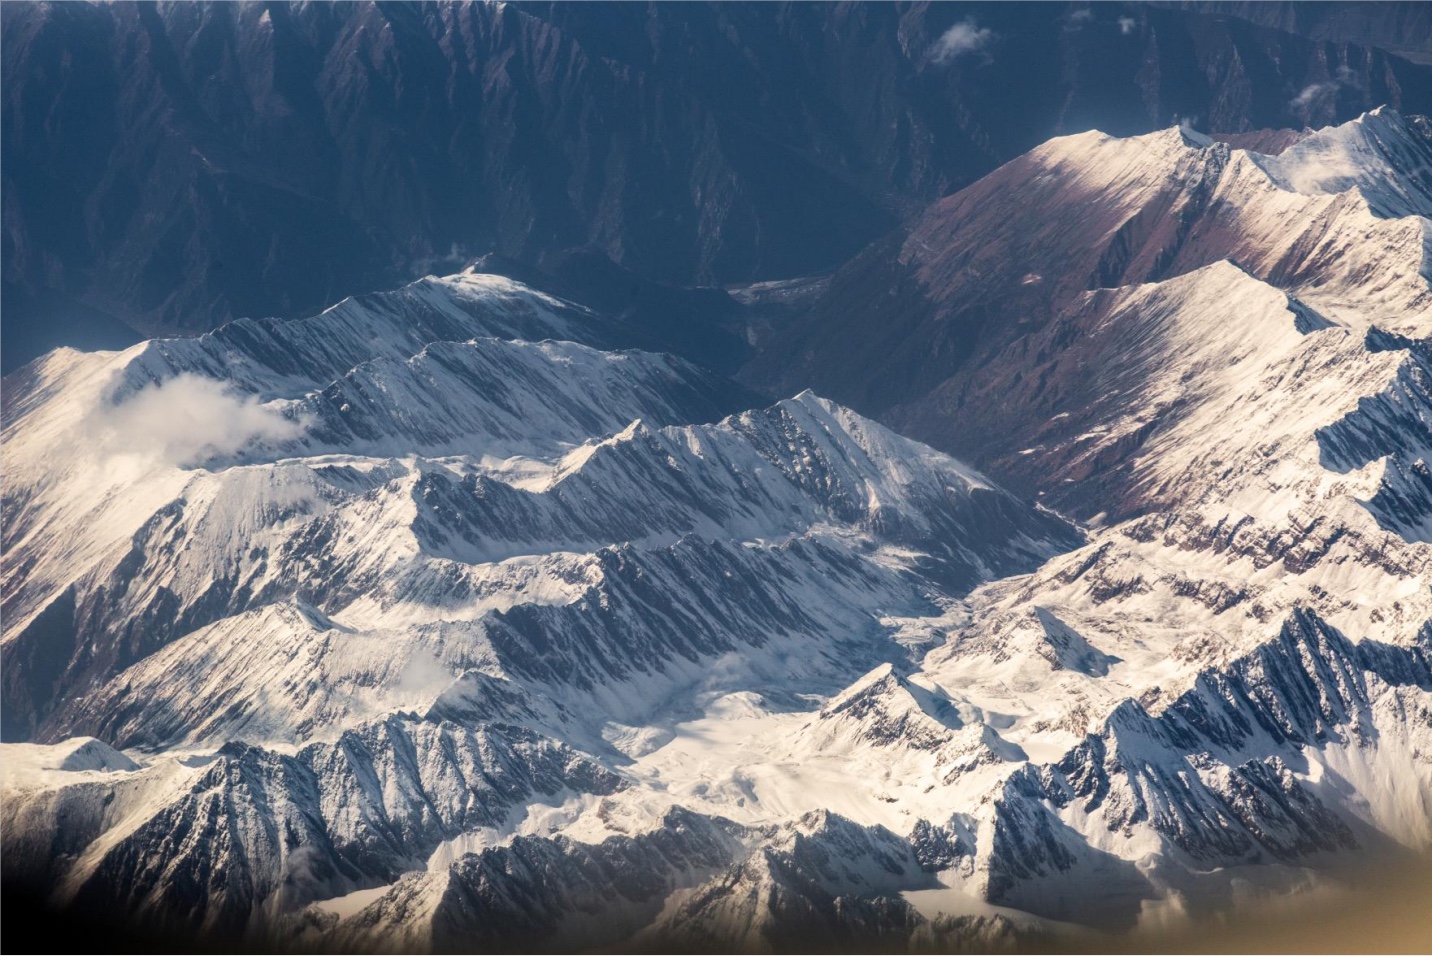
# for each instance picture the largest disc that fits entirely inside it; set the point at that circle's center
(1126, 25)
(1314, 93)
(962, 39)
(188, 420)
(1311, 94)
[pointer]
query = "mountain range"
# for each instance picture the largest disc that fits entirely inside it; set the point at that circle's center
(448, 616)
(871, 522)
(170, 167)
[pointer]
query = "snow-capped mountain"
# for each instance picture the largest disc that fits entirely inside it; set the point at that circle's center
(360, 617)
(997, 281)
(441, 620)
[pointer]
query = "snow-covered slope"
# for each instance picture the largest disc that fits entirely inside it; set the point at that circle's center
(393, 628)
(1339, 220)
(1383, 155)
(348, 619)
(402, 543)
(924, 327)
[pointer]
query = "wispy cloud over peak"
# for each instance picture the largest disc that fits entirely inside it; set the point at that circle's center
(1311, 94)
(962, 39)
(188, 419)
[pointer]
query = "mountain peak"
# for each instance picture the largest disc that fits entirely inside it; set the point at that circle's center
(1382, 155)
(1192, 137)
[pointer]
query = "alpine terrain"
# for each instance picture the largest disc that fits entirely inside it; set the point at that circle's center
(1059, 566)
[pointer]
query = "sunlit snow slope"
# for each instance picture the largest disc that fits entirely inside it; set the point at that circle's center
(362, 591)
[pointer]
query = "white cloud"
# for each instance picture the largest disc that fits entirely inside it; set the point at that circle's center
(959, 40)
(1126, 25)
(187, 420)
(1314, 93)
(1346, 77)
(1311, 94)
(439, 264)
(1080, 16)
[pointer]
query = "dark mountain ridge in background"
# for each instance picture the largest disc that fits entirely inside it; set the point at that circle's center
(1401, 28)
(170, 167)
